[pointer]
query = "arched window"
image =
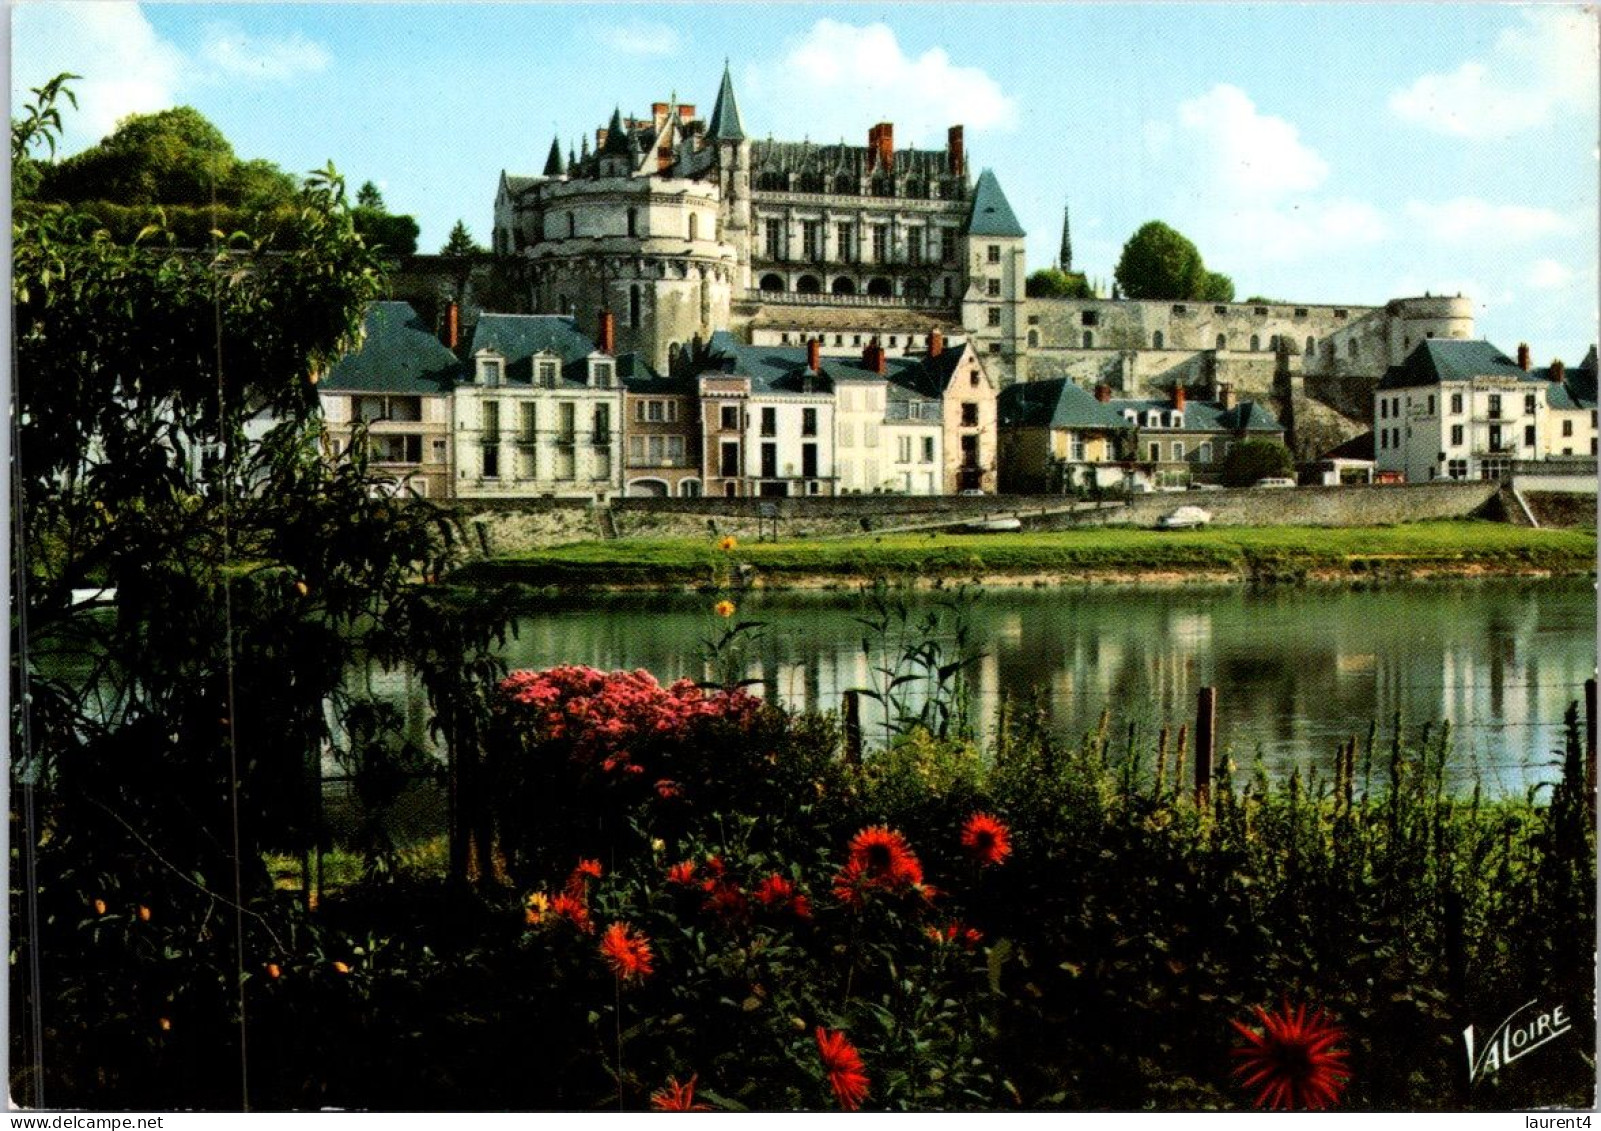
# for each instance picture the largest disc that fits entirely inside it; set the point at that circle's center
(1033, 339)
(844, 285)
(1256, 342)
(772, 283)
(808, 285)
(879, 288)
(633, 221)
(1089, 339)
(1311, 345)
(633, 305)
(694, 226)
(1222, 341)
(1156, 340)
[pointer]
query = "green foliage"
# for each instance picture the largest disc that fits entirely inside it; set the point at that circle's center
(1160, 263)
(386, 233)
(1048, 282)
(368, 196)
(461, 244)
(171, 157)
(175, 726)
(1251, 460)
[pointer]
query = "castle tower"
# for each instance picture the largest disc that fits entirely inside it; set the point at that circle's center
(726, 132)
(993, 311)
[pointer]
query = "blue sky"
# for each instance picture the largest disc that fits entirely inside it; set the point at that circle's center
(1320, 153)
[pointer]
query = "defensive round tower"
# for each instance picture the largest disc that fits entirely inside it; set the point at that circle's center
(1412, 320)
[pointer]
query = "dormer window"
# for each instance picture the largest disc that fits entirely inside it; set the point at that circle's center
(489, 370)
(545, 371)
(601, 374)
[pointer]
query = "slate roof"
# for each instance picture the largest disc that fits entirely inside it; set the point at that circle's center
(1451, 359)
(1209, 416)
(398, 354)
(1576, 390)
(1060, 403)
(781, 368)
(992, 215)
(518, 337)
(725, 123)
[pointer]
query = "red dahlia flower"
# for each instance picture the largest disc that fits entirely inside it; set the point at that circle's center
(573, 909)
(988, 839)
(627, 952)
(682, 873)
(676, 1097)
(879, 858)
(1293, 1060)
(777, 894)
(844, 1067)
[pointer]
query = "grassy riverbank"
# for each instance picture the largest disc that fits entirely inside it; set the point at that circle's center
(1271, 553)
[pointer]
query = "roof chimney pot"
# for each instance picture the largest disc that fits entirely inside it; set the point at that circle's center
(1523, 356)
(814, 355)
(936, 343)
(608, 333)
(1103, 393)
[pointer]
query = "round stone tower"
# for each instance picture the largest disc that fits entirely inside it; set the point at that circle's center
(1413, 320)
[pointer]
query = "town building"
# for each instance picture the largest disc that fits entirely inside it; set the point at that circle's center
(661, 436)
(1179, 440)
(1464, 410)
(394, 393)
(1055, 437)
(768, 421)
(539, 410)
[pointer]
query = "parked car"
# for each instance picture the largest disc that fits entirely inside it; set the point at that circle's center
(1274, 481)
(1185, 518)
(971, 491)
(993, 525)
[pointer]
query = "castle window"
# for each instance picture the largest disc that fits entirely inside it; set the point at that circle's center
(694, 226)
(811, 240)
(1089, 318)
(1259, 311)
(1300, 312)
(915, 288)
(489, 371)
(883, 186)
(545, 373)
(1350, 348)
(808, 285)
(839, 339)
(844, 285)
(915, 189)
(633, 305)
(1339, 313)
(633, 221)
(773, 182)
(893, 341)
(1089, 339)
(1220, 310)
(992, 287)
(1033, 339)
(775, 240)
(572, 225)
(772, 283)
(914, 245)
(1180, 309)
(1156, 340)
(845, 184)
(811, 182)
(879, 288)
(880, 243)
(994, 316)
(1311, 346)
(1222, 341)
(994, 253)
(846, 245)
(1256, 342)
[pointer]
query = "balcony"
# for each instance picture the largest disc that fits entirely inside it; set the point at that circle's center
(872, 302)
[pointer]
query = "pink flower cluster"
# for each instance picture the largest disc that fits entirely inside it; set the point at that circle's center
(608, 717)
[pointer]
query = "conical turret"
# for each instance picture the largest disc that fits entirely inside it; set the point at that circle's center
(725, 123)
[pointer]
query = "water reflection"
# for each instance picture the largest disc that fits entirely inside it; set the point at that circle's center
(1298, 670)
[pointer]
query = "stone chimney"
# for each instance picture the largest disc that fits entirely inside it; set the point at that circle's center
(658, 114)
(452, 335)
(1559, 371)
(881, 141)
(1178, 398)
(814, 354)
(936, 343)
(607, 342)
(686, 113)
(956, 152)
(1103, 393)
(1523, 356)
(873, 356)
(1225, 396)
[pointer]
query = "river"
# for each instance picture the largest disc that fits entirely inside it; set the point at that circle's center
(1298, 669)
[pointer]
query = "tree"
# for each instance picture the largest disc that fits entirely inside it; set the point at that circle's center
(1049, 282)
(368, 196)
(1216, 288)
(393, 235)
(1251, 460)
(1160, 263)
(460, 245)
(175, 722)
(172, 157)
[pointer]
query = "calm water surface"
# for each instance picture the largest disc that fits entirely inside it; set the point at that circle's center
(1297, 669)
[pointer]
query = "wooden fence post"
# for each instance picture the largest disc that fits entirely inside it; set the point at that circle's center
(853, 727)
(1205, 743)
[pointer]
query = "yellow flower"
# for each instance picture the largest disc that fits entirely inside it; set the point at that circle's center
(100, 907)
(302, 588)
(724, 608)
(658, 845)
(144, 914)
(538, 907)
(341, 968)
(728, 543)
(165, 1024)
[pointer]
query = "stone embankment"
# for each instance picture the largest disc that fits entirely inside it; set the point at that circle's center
(509, 528)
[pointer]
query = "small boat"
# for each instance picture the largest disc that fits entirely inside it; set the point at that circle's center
(1185, 518)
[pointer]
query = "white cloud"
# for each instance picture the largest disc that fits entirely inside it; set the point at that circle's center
(1467, 219)
(850, 76)
(639, 37)
(1283, 233)
(126, 67)
(1549, 275)
(1536, 69)
(237, 55)
(1247, 153)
